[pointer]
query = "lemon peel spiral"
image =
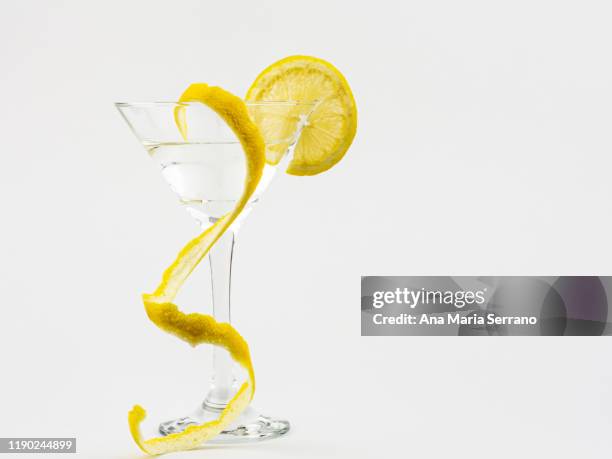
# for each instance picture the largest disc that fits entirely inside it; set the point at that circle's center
(196, 328)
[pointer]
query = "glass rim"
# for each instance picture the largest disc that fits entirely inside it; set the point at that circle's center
(264, 103)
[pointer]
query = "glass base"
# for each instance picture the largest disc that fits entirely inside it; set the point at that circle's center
(250, 426)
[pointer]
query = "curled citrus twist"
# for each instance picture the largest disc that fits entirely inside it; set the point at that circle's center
(198, 328)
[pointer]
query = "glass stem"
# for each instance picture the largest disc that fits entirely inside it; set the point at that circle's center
(223, 380)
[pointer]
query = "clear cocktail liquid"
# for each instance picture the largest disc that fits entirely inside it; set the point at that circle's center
(208, 178)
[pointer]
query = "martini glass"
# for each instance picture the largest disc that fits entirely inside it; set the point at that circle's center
(207, 172)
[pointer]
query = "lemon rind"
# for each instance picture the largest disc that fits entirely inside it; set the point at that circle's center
(198, 328)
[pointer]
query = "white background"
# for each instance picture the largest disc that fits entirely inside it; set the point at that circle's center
(483, 148)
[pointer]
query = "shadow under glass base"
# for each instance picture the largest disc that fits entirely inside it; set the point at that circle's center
(250, 425)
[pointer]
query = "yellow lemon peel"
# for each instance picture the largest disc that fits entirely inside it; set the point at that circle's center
(198, 328)
(331, 126)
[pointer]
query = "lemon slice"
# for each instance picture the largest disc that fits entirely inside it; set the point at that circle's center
(331, 126)
(198, 328)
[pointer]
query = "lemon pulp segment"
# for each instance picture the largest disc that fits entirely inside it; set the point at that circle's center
(198, 328)
(331, 126)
